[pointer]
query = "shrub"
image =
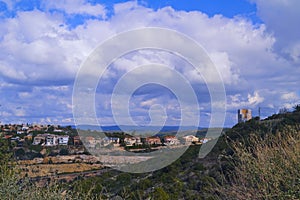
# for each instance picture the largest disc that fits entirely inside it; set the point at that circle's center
(266, 168)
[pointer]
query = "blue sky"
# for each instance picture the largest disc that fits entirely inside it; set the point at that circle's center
(227, 8)
(43, 44)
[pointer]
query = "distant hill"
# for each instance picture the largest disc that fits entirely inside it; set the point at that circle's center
(126, 128)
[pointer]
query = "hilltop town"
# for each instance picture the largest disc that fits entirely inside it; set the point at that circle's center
(27, 135)
(48, 150)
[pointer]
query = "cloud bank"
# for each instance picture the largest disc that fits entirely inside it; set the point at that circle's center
(42, 49)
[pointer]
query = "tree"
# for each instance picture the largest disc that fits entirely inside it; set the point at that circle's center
(64, 152)
(20, 153)
(297, 108)
(283, 110)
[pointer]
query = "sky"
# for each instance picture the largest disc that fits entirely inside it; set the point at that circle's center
(254, 44)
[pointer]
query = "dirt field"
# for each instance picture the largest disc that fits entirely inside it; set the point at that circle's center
(38, 170)
(57, 165)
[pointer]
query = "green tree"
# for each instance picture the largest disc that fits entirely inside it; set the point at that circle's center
(297, 108)
(19, 153)
(64, 152)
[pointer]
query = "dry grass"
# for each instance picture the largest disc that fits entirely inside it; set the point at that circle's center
(14, 186)
(267, 168)
(56, 169)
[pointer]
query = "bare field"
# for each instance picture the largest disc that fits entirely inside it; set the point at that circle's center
(39, 170)
(49, 166)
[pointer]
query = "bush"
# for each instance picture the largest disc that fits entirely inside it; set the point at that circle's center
(64, 152)
(265, 169)
(160, 194)
(13, 186)
(20, 153)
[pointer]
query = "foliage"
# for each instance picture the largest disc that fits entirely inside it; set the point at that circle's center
(265, 168)
(297, 108)
(64, 152)
(160, 194)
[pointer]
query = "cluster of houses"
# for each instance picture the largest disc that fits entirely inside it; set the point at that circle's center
(21, 132)
(55, 135)
(50, 140)
(92, 142)
(27, 128)
(130, 141)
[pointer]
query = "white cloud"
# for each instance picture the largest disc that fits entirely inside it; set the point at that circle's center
(282, 19)
(225, 66)
(255, 98)
(291, 96)
(148, 103)
(38, 49)
(24, 95)
(35, 47)
(249, 100)
(76, 7)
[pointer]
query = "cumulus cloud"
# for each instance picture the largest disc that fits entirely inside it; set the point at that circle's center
(36, 48)
(243, 101)
(76, 7)
(290, 96)
(282, 19)
(255, 98)
(40, 56)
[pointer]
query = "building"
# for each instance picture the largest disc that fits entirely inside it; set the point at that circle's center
(132, 141)
(244, 115)
(129, 141)
(89, 141)
(63, 139)
(204, 140)
(39, 139)
(111, 140)
(25, 128)
(153, 140)
(28, 137)
(51, 140)
(77, 141)
(171, 140)
(8, 136)
(190, 139)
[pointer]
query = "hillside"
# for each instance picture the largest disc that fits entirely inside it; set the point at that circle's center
(259, 159)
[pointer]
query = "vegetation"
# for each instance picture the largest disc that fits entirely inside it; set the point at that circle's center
(258, 159)
(262, 159)
(266, 168)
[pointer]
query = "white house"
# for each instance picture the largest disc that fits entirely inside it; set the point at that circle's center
(171, 140)
(190, 139)
(63, 139)
(51, 140)
(131, 141)
(20, 132)
(111, 140)
(204, 140)
(39, 139)
(25, 128)
(57, 130)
